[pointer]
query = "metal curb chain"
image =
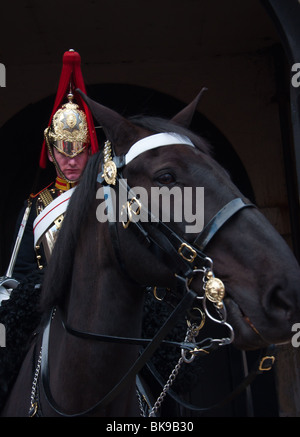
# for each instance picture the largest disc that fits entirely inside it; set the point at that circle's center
(166, 388)
(33, 404)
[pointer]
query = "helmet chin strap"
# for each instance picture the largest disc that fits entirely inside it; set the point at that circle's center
(56, 165)
(62, 175)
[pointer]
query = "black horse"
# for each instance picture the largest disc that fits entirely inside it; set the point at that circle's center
(87, 353)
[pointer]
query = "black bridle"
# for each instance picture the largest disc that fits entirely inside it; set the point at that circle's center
(184, 259)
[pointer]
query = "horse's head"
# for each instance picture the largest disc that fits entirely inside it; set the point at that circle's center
(260, 274)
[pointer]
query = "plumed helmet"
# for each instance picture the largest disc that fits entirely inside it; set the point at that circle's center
(71, 127)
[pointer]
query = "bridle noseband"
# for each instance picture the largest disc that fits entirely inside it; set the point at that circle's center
(183, 258)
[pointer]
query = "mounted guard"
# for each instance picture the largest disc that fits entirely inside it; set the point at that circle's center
(69, 140)
(70, 135)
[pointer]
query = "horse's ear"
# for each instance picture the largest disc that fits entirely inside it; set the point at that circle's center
(117, 129)
(185, 116)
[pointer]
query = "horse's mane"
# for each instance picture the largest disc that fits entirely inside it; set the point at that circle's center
(59, 271)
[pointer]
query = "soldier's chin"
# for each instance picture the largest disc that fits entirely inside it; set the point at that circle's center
(72, 175)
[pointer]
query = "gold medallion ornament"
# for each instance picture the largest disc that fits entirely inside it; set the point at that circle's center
(109, 167)
(110, 173)
(214, 290)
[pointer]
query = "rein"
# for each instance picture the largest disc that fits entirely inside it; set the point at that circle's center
(185, 303)
(183, 258)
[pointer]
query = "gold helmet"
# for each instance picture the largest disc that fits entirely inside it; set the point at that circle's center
(68, 132)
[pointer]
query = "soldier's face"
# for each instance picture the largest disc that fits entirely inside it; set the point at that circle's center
(71, 167)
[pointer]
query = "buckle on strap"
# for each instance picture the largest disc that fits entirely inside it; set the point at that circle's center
(187, 252)
(131, 207)
(266, 363)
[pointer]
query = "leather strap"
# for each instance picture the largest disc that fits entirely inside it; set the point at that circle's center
(46, 218)
(206, 345)
(263, 363)
(185, 303)
(213, 226)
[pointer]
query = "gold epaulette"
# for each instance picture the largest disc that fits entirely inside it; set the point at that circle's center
(44, 198)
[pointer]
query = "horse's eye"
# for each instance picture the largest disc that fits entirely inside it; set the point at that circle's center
(165, 179)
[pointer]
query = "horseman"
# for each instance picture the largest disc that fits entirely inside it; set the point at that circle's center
(69, 140)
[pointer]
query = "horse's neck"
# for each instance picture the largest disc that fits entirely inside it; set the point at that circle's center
(100, 301)
(100, 296)
(106, 304)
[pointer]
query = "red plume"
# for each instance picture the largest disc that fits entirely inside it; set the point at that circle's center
(71, 74)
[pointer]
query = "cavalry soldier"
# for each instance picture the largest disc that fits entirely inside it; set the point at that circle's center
(69, 140)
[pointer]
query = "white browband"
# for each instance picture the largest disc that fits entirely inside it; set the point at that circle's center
(153, 141)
